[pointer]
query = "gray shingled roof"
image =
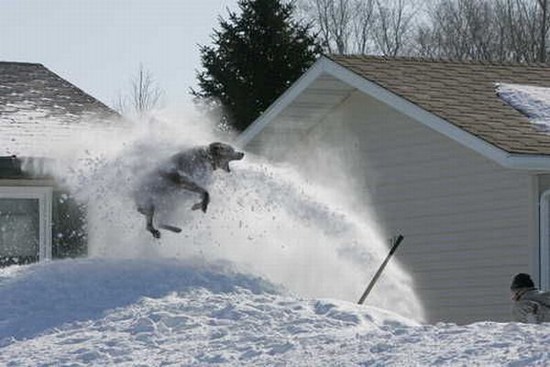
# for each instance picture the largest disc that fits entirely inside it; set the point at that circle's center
(462, 93)
(38, 108)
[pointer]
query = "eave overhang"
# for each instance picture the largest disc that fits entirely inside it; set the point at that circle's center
(325, 67)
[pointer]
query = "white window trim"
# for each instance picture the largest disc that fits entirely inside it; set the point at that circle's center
(44, 196)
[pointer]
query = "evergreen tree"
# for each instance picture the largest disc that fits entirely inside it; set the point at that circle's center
(255, 57)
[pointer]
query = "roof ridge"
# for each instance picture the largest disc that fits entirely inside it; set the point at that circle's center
(440, 60)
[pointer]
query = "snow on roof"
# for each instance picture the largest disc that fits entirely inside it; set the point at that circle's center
(530, 100)
(39, 109)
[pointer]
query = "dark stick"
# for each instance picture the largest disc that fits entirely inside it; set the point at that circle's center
(381, 269)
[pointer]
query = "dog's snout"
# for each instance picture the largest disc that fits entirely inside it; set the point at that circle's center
(239, 155)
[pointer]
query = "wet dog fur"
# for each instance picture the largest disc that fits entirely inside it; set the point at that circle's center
(188, 170)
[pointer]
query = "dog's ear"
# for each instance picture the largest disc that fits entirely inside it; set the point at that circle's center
(218, 149)
(215, 148)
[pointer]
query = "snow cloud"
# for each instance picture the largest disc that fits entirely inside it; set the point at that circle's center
(265, 219)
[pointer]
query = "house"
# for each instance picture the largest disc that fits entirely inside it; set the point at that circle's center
(434, 152)
(39, 109)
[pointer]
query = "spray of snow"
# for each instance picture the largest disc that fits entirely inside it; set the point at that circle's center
(265, 219)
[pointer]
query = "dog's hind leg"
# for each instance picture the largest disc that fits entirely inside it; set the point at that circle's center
(149, 212)
(155, 232)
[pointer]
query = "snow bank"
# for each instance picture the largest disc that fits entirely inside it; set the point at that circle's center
(46, 295)
(173, 313)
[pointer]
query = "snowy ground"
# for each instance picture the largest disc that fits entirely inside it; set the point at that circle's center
(173, 312)
(202, 297)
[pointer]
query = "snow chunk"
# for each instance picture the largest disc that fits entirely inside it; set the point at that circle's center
(532, 101)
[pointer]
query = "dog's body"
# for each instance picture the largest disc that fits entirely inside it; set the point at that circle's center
(189, 170)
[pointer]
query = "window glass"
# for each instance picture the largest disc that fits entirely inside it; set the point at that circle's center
(19, 231)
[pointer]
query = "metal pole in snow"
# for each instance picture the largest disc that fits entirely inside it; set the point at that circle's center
(381, 269)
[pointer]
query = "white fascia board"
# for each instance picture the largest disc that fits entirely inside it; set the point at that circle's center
(325, 65)
(280, 103)
(527, 162)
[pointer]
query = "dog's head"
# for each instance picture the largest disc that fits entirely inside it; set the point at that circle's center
(221, 154)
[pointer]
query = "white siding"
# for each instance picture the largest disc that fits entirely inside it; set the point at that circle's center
(468, 223)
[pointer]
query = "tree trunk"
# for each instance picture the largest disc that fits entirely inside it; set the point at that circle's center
(542, 51)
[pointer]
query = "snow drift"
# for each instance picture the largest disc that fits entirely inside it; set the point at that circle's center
(164, 312)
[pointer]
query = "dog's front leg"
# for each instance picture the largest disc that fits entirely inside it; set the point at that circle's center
(185, 183)
(205, 196)
(204, 202)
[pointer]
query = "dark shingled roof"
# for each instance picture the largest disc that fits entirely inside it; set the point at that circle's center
(37, 107)
(462, 93)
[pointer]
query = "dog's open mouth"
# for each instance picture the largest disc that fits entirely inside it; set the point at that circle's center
(236, 157)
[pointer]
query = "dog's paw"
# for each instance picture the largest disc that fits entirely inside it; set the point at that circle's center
(202, 206)
(155, 233)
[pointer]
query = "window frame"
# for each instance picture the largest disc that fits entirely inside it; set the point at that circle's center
(544, 241)
(44, 196)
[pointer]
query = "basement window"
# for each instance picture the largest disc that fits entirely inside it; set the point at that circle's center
(25, 224)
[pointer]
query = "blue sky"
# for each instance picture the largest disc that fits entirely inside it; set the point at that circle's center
(98, 45)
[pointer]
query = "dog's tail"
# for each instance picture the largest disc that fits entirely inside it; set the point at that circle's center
(170, 228)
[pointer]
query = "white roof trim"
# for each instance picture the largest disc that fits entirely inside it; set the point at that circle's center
(280, 104)
(327, 66)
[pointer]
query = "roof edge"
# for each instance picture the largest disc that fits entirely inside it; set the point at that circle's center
(21, 63)
(83, 92)
(282, 102)
(527, 162)
(107, 109)
(326, 65)
(440, 60)
(475, 143)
